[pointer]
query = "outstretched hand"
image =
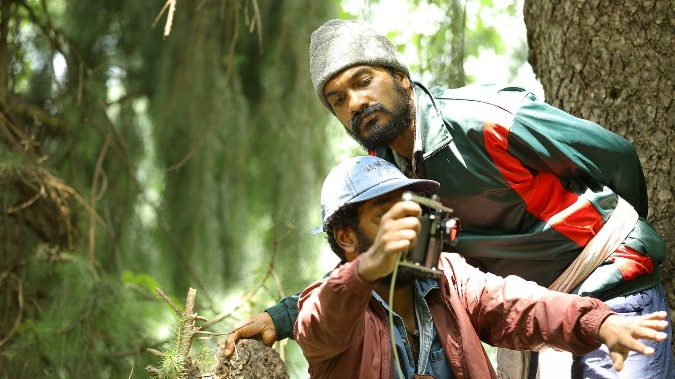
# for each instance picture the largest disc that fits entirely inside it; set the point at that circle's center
(256, 325)
(621, 334)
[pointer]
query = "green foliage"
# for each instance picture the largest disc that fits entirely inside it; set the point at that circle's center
(173, 362)
(143, 280)
(166, 162)
(438, 36)
(131, 161)
(88, 328)
(247, 134)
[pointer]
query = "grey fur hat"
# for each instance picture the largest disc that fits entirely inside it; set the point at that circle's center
(340, 44)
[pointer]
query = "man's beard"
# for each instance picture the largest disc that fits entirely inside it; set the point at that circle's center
(404, 275)
(383, 135)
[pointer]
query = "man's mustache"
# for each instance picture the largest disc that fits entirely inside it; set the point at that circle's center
(356, 120)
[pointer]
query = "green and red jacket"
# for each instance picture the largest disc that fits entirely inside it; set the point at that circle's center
(531, 185)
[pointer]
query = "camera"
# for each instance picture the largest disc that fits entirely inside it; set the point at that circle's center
(439, 228)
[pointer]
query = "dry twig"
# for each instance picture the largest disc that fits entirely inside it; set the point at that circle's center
(171, 5)
(19, 315)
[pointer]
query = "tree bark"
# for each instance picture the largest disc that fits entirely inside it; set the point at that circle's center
(5, 6)
(613, 63)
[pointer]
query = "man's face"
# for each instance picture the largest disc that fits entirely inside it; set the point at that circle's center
(371, 103)
(370, 214)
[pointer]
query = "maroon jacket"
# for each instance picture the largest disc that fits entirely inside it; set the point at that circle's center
(343, 330)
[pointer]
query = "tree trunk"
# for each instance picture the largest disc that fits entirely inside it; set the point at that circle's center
(612, 63)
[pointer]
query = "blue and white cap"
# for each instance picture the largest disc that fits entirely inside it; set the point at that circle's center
(363, 178)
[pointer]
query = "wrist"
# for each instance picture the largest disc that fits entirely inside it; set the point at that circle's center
(365, 270)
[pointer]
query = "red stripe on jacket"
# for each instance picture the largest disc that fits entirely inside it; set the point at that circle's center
(545, 197)
(631, 263)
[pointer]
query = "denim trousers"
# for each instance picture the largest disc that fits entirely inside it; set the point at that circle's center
(661, 365)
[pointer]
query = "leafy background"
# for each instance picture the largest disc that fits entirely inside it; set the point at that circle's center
(177, 145)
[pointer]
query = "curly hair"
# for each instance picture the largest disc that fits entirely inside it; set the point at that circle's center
(347, 217)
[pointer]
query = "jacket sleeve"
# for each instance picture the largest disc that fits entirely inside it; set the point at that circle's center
(517, 314)
(284, 315)
(547, 139)
(331, 313)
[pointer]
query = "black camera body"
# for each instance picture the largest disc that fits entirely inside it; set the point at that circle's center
(439, 228)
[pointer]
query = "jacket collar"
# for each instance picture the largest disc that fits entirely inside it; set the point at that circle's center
(430, 132)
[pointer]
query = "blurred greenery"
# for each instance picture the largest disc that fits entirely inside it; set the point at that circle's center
(133, 159)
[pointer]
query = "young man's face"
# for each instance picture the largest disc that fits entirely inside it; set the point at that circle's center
(374, 106)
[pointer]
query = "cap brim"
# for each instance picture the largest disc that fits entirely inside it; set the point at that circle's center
(382, 188)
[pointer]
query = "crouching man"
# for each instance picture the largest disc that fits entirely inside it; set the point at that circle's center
(438, 323)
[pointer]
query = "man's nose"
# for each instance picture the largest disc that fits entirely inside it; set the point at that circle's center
(357, 102)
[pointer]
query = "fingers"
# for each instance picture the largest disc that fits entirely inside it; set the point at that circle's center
(406, 208)
(651, 332)
(618, 359)
(397, 232)
(649, 326)
(632, 344)
(659, 315)
(402, 240)
(622, 335)
(230, 341)
(257, 325)
(400, 226)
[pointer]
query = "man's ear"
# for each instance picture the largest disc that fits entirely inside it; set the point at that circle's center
(346, 238)
(403, 79)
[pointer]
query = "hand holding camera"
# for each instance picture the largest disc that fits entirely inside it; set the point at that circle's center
(395, 226)
(417, 227)
(438, 228)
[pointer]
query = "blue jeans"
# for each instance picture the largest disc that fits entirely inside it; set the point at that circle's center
(661, 365)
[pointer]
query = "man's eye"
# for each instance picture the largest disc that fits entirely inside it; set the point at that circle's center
(337, 102)
(364, 82)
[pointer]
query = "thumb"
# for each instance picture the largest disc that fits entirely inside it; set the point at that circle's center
(618, 359)
(232, 339)
(229, 344)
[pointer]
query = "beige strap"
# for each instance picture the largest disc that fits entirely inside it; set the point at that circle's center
(515, 364)
(621, 222)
